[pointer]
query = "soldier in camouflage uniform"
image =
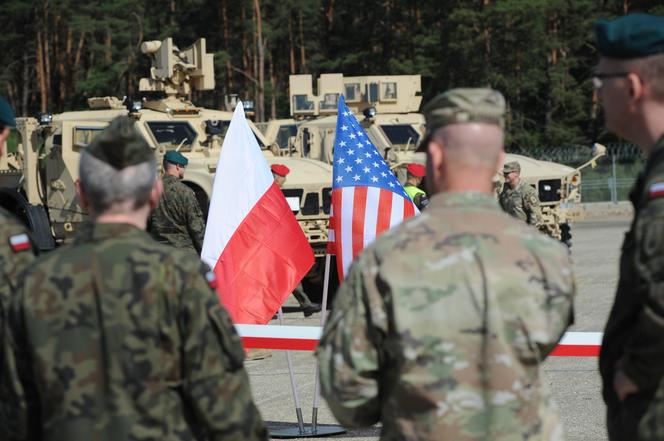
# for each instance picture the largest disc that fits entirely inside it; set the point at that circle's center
(519, 198)
(117, 337)
(442, 324)
(178, 219)
(630, 82)
(16, 250)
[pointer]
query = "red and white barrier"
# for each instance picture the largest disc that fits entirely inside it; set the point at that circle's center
(305, 338)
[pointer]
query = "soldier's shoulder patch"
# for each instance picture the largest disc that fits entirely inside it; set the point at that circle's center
(19, 242)
(211, 279)
(656, 190)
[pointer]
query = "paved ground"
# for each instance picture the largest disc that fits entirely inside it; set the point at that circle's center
(574, 381)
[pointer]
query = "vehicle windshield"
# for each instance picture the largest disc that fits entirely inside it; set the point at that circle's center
(285, 132)
(173, 134)
(401, 135)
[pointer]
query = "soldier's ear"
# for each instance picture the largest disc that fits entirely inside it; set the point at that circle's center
(435, 165)
(82, 197)
(155, 194)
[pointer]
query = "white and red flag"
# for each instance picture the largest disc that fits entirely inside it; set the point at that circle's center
(252, 241)
(367, 199)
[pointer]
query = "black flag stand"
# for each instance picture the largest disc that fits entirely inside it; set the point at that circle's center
(314, 430)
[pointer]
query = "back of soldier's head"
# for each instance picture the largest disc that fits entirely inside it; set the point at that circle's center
(118, 167)
(462, 117)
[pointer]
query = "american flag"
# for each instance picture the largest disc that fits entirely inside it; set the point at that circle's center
(367, 198)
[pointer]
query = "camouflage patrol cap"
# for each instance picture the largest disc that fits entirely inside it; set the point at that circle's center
(176, 158)
(465, 105)
(120, 144)
(512, 166)
(631, 36)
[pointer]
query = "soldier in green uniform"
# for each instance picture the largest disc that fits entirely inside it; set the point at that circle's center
(16, 250)
(630, 83)
(178, 219)
(442, 324)
(118, 337)
(518, 198)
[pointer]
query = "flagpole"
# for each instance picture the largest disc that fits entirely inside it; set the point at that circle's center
(296, 397)
(323, 316)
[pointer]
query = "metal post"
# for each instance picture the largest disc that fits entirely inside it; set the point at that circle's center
(326, 280)
(296, 397)
(615, 177)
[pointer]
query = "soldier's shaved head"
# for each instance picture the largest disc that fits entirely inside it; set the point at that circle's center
(464, 157)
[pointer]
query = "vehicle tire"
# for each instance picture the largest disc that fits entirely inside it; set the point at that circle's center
(313, 281)
(34, 217)
(566, 234)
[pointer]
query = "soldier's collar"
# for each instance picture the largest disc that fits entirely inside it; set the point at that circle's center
(464, 199)
(100, 231)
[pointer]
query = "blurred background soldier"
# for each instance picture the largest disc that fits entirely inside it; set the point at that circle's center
(414, 176)
(178, 219)
(280, 171)
(442, 324)
(117, 337)
(630, 82)
(519, 198)
(16, 251)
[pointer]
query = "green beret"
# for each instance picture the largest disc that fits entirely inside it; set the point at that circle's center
(120, 144)
(6, 113)
(512, 166)
(463, 106)
(631, 36)
(176, 158)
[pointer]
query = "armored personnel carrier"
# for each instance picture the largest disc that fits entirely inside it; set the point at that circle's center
(37, 183)
(387, 107)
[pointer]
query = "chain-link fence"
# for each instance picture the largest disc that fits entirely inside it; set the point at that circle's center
(611, 180)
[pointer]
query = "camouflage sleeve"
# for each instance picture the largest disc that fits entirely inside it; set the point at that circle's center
(349, 352)
(531, 205)
(643, 361)
(554, 309)
(19, 416)
(195, 223)
(215, 382)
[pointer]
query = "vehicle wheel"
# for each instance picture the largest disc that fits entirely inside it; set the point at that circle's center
(566, 234)
(34, 217)
(313, 281)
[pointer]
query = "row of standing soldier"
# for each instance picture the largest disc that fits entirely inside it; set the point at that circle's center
(438, 332)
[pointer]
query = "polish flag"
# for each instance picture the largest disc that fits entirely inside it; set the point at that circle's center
(252, 239)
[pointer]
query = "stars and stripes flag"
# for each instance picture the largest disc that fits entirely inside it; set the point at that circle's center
(367, 198)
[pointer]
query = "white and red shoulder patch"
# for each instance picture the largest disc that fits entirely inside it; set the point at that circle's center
(656, 190)
(19, 242)
(211, 279)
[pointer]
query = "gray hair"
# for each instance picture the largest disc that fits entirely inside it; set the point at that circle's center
(106, 186)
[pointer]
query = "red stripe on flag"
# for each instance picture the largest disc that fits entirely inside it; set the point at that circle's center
(384, 211)
(293, 344)
(264, 260)
(408, 208)
(337, 245)
(576, 351)
(359, 209)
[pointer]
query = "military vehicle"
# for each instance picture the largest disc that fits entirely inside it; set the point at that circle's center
(37, 183)
(387, 107)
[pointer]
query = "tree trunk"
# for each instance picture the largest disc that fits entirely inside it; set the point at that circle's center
(41, 74)
(291, 45)
(246, 62)
(303, 57)
(260, 95)
(229, 71)
(26, 84)
(108, 47)
(273, 84)
(46, 59)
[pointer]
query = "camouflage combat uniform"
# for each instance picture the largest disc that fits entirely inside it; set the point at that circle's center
(634, 334)
(12, 261)
(521, 202)
(178, 219)
(117, 337)
(441, 325)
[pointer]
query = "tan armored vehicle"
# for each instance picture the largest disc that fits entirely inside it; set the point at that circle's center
(38, 182)
(387, 107)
